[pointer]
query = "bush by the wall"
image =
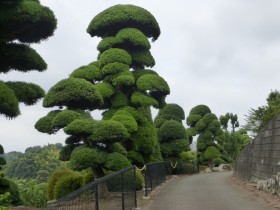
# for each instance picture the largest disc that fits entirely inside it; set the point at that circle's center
(67, 184)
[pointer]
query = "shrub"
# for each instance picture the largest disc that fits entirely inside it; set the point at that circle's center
(186, 156)
(67, 184)
(88, 177)
(12, 188)
(53, 180)
(211, 153)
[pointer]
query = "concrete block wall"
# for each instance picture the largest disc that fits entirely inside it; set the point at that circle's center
(260, 159)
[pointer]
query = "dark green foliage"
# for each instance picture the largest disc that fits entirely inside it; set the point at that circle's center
(115, 68)
(211, 153)
(172, 111)
(135, 157)
(1, 150)
(44, 124)
(186, 156)
(218, 161)
(115, 18)
(171, 130)
(105, 89)
(190, 132)
(26, 21)
(206, 125)
(32, 193)
(150, 82)
(200, 110)
(124, 79)
(67, 184)
(90, 72)
(133, 38)
(80, 127)
(118, 100)
(21, 57)
(108, 131)
(114, 55)
(143, 99)
(128, 121)
(27, 93)
(73, 93)
(117, 147)
(200, 125)
(127, 38)
(22, 22)
(84, 157)
(11, 188)
(116, 161)
(88, 177)
(140, 72)
(126, 132)
(192, 119)
(63, 118)
(9, 106)
(141, 59)
(54, 178)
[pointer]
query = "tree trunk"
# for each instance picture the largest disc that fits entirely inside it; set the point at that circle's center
(102, 187)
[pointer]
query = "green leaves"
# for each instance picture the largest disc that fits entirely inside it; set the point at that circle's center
(75, 94)
(28, 93)
(84, 157)
(21, 57)
(123, 16)
(107, 131)
(114, 55)
(9, 103)
(26, 21)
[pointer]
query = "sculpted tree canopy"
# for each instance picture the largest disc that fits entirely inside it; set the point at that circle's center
(210, 142)
(115, 18)
(22, 22)
(118, 84)
(174, 142)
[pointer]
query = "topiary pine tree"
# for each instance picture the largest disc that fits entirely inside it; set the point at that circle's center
(22, 22)
(210, 140)
(116, 83)
(171, 132)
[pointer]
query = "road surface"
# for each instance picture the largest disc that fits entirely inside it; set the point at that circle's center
(209, 191)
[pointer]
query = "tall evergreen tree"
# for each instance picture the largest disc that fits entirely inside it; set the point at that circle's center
(116, 83)
(210, 140)
(171, 132)
(22, 22)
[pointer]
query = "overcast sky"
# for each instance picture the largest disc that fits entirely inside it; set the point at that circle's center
(221, 53)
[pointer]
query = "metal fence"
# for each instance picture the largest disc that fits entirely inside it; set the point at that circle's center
(156, 173)
(114, 191)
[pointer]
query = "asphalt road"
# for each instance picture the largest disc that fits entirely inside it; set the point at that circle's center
(209, 191)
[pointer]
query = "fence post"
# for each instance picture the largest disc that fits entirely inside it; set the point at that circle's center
(135, 188)
(146, 193)
(96, 197)
(122, 192)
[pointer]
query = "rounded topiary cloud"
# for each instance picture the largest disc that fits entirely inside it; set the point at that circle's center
(115, 18)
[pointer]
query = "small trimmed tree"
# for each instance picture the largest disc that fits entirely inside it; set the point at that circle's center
(116, 83)
(210, 135)
(171, 132)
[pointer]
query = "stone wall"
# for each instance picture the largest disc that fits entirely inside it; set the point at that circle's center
(260, 159)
